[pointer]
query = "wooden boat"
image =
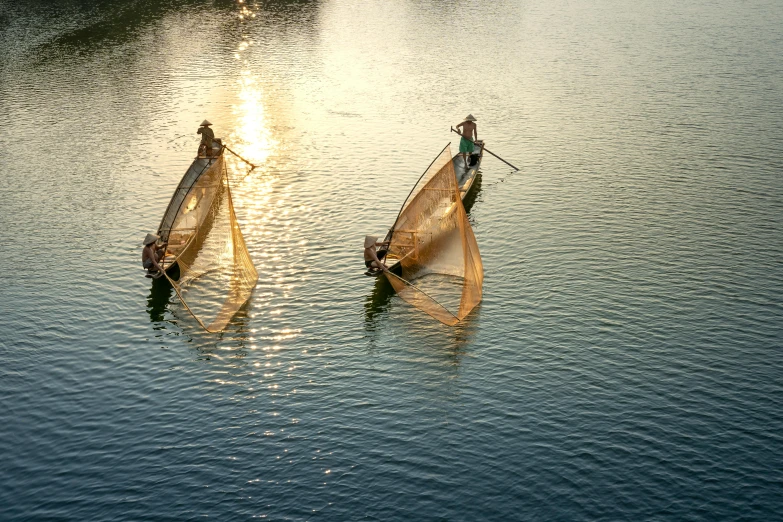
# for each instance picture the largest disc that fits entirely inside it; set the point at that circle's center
(466, 177)
(187, 218)
(206, 259)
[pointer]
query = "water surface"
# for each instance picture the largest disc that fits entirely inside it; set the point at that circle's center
(625, 363)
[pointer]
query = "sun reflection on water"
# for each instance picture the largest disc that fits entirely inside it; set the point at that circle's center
(252, 138)
(270, 214)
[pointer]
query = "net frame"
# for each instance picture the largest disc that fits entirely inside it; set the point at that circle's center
(432, 235)
(242, 276)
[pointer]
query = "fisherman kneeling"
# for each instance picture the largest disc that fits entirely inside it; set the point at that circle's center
(207, 137)
(151, 255)
(371, 259)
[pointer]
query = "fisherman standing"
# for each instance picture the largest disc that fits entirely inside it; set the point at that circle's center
(469, 134)
(207, 136)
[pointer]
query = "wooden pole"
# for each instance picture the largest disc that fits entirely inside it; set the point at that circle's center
(391, 230)
(486, 149)
(243, 159)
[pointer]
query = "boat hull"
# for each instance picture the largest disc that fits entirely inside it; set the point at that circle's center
(177, 241)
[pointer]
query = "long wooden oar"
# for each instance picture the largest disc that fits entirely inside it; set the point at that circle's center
(243, 159)
(484, 148)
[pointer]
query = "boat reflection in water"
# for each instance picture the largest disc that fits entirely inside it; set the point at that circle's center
(472, 196)
(377, 302)
(160, 295)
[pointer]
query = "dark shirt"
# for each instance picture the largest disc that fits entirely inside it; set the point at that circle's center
(207, 135)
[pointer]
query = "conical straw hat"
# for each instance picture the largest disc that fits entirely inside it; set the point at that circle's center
(151, 238)
(470, 117)
(205, 123)
(370, 241)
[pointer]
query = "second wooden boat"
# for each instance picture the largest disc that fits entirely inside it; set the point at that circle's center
(466, 177)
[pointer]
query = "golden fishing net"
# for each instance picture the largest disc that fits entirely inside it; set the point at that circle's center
(216, 274)
(442, 273)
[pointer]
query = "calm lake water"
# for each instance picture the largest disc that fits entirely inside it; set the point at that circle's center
(626, 362)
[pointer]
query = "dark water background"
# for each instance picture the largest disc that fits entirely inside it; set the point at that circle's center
(625, 364)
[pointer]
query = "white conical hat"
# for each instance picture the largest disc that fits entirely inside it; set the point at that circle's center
(151, 238)
(370, 241)
(470, 117)
(205, 123)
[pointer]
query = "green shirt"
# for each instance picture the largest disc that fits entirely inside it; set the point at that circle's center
(207, 135)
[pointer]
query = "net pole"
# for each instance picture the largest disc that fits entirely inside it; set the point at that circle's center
(240, 157)
(182, 299)
(391, 230)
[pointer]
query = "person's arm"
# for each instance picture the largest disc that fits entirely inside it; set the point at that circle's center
(199, 130)
(153, 256)
(458, 128)
(161, 251)
(148, 253)
(374, 257)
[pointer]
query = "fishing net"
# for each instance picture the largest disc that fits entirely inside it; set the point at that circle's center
(442, 273)
(216, 274)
